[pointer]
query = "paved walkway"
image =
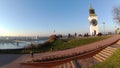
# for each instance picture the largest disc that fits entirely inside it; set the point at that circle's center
(8, 58)
(81, 49)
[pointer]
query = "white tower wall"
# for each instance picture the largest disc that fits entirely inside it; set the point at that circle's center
(93, 28)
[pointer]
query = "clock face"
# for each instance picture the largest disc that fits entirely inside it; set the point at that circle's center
(94, 22)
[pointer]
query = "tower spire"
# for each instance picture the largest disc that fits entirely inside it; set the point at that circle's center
(91, 6)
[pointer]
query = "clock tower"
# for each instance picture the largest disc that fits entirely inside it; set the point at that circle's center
(93, 19)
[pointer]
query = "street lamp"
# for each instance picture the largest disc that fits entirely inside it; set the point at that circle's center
(54, 32)
(115, 29)
(104, 27)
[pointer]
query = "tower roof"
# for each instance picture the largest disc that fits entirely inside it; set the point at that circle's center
(92, 11)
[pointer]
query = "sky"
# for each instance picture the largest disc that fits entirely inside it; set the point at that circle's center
(46, 17)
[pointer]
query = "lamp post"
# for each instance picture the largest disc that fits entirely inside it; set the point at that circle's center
(104, 27)
(115, 29)
(54, 32)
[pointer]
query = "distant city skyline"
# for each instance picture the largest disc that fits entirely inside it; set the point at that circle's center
(46, 17)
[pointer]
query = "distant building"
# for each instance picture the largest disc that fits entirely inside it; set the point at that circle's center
(36, 37)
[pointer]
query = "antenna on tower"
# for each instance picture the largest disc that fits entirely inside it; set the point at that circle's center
(91, 6)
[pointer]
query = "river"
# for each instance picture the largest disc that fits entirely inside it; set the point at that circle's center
(19, 44)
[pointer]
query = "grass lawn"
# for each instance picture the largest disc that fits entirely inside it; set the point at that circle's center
(112, 62)
(70, 43)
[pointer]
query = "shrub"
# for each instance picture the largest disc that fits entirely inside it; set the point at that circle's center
(99, 34)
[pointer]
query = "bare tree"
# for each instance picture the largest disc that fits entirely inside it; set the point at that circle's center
(116, 14)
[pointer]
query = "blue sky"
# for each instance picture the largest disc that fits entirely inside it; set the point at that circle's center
(42, 17)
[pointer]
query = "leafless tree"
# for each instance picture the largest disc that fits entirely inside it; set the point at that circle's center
(116, 14)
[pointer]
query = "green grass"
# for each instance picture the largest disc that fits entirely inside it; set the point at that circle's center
(112, 62)
(70, 43)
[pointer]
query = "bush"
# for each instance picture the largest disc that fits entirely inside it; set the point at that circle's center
(99, 34)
